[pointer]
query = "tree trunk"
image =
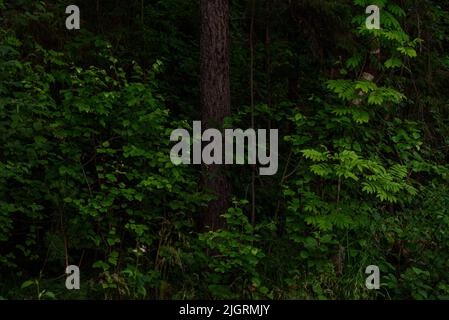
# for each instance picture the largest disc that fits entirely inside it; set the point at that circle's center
(215, 99)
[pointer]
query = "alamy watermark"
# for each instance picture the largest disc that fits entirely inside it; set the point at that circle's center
(72, 22)
(259, 150)
(72, 281)
(373, 20)
(373, 280)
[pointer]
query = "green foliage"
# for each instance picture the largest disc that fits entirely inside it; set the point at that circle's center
(86, 178)
(85, 162)
(235, 257)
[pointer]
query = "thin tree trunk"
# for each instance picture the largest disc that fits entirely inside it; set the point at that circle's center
(215, 99)
(251, 81)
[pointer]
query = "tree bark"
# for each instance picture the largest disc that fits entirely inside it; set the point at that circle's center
(215, 99)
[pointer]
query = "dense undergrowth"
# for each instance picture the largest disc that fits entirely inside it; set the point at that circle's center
(86, 177)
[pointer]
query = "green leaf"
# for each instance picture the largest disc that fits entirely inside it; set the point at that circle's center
(26, 284)
(408, 51)
(393, 63)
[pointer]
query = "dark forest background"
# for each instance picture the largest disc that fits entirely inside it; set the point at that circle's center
(86, 176)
